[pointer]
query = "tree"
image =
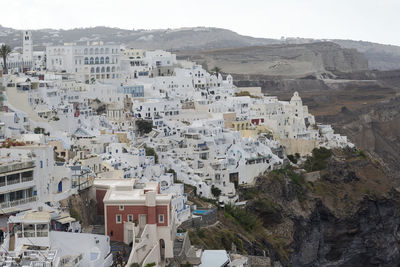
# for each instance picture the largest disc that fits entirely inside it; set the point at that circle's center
(5, 50)
(216, 70)
(144, 126)
(215, 191)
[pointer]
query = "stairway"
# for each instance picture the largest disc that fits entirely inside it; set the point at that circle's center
(11, 245)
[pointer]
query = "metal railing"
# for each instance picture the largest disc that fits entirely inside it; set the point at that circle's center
(10, 204)
(17, 166)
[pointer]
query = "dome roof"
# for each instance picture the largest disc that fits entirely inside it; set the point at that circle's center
(295, 97)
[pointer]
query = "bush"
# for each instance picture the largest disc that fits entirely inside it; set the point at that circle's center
(144, 126)
(362, 154)
(292, 158)
(215, 191)
(38, 130)
(75, 214)
(151, 152)
(243, 217)
(318, 160)
(264, 205)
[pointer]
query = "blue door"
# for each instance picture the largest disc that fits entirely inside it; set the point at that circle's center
(60, 186)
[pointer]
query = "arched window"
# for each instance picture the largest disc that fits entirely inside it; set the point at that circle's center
(113, 69)
(102, 60)
(91, 51)
(96, 51)
(91, 60)
(101, 50)
(108, 69)
(102, 69)
(85, 51)
(107, 60)
(96, 60)
(86, 61)
(97, 69)
(91, 70)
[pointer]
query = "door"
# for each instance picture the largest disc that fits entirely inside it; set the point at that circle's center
(142, 220)
(60, 186)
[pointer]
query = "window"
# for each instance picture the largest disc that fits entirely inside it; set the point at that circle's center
(121, 207)
(118, 218)
(130, 218)
(102, 60)
(107, 60)
(91, 60)
(86, 61)
(96, 60)
(161, 218)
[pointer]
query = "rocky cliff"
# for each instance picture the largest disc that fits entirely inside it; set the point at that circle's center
(348, 217)
(293, 60)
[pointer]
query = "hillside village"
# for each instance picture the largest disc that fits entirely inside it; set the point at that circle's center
(132, 130)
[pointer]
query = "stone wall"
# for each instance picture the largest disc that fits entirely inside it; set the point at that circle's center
(201, 221)
(301, 146)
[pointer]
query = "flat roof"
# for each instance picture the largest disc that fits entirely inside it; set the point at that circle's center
(31, 217)
(214, 258)
(133, 196)
(108, 183)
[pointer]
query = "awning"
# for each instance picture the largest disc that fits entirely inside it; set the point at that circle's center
(66, 220)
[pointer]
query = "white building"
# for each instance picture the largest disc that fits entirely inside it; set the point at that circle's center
(86, 63)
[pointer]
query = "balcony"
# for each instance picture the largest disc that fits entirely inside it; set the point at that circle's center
(18, 202)
(17, 166)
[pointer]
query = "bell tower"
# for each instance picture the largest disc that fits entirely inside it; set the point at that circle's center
(27, 45)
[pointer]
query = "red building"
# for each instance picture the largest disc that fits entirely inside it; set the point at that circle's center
(136, 213)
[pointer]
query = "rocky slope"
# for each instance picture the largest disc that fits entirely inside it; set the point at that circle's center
(349, 217)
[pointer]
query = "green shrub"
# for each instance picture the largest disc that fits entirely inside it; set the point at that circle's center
(264, 205)
(75, 214)
(144, 126)
(362, 154)
(215, 191)
(318, 160)
(243, 217)
(292, 158)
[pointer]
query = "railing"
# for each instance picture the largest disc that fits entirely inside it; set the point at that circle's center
(17, 166)
(26, 179)
(14, 203)
(14, 181)
(42, 233)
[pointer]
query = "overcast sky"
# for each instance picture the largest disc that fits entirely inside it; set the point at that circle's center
(369, 20)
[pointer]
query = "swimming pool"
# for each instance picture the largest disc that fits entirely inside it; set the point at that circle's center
(200, 212)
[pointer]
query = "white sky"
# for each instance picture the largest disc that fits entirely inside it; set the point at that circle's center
(368, 20)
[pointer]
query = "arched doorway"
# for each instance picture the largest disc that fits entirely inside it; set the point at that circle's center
(162, 249)
(60, 186)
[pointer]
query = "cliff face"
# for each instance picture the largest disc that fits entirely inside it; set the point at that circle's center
(369, 237)
(295, 60)
(350, 217)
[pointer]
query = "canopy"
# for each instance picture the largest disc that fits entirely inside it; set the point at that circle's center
(66, 220)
